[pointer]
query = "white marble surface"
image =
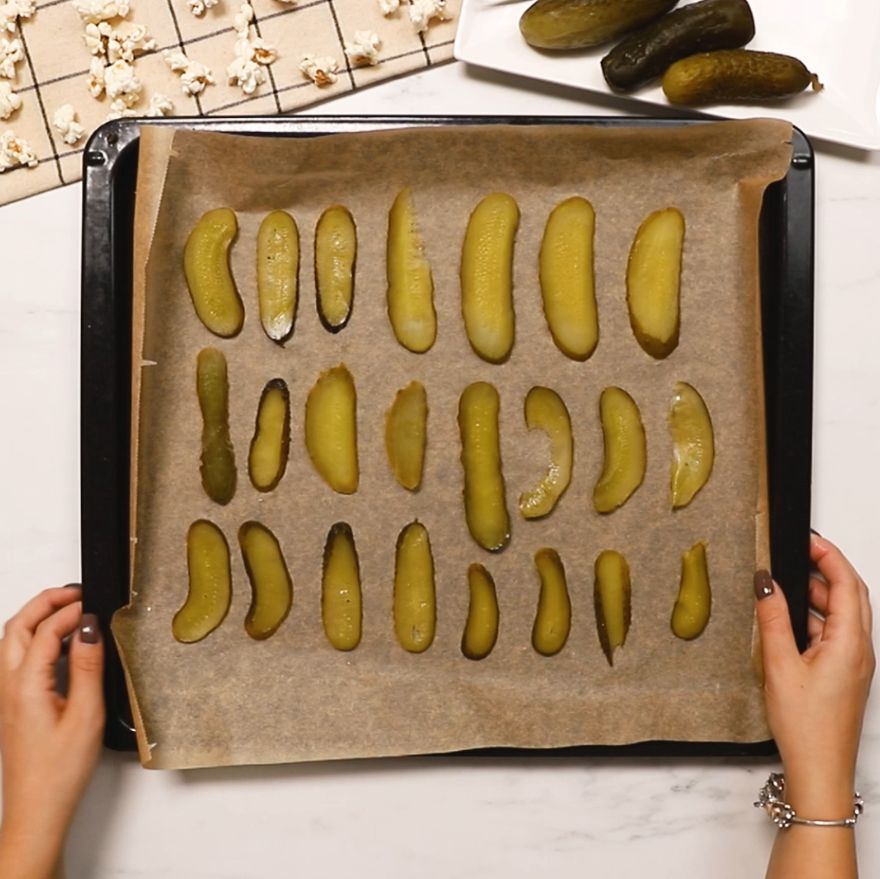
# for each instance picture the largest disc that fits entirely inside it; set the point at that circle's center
(427, 817)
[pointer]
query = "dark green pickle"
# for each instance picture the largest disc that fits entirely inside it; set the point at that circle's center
(699, 27)
(579, 24)
(218, 458)
(734, 75)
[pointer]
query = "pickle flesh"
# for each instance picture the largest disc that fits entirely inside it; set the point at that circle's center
(698, 27)
(578, 24)
(734, 75)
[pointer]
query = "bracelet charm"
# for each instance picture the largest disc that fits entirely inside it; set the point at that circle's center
(771, 799)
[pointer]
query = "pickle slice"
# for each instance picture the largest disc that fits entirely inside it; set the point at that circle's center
(693, 607)
(415, 612)
(481, 629)
(208, 274)
(406, 426)
(341, 611)
(278, 274)
(612, 594)
(693, 444)
(270, 446)
(210, 583)
(271, 587)
(331, 429)
(487, 277)
(653, 282)
(410, 282)
(485, 503)
(545, 411)
(625, 450)
(218, 457)
(553, 619)
(335, 254)
(567, 283)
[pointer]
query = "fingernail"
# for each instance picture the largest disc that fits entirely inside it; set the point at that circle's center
(763, 584)
(89, 630)
(814, 531)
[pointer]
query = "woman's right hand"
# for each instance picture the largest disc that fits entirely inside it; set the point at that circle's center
(816, 700)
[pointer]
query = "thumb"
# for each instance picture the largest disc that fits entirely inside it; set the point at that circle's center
(777, 638)
(85, 694)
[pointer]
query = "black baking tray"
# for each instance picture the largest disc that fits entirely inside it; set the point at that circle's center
(109, 177)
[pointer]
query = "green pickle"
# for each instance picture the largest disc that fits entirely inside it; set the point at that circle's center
(578, 24)
(218, 458)
(734, 75)
(698, 27)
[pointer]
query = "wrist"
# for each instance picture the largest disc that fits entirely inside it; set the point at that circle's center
(28, 851)
(821, 796)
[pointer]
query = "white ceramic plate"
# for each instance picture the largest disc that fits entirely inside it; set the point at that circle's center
(840, 40)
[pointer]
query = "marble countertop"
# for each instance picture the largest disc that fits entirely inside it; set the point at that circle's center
(429, 817)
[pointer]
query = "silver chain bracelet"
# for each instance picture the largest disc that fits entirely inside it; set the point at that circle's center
(771, 799)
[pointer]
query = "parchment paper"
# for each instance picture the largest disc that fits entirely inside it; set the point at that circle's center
(232, 700)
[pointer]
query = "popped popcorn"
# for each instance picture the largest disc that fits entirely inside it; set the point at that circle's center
(194, 76)
(246, 74)
(12, 10)
(64, 121)
(251, 51)
(120, 110)
(160, 105)
(389, 7)
(103, 41)
(363, 50)
(120, 82)
(321, 71)
(198, 7)
(96, 78)
(9, 100)
(94, 11)
(15, 152)
(11, 52)
(423, 12)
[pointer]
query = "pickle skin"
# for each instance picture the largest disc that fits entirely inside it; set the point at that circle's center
(698, 27)
(210, 583)
(481, 629)
(218, 456)
(735, 75)
(693, 444)
(653, 282)
(484, 491)
(624, 465)
(612, 598)
(278, 274)
(487, 277)
(545, 410)
(567, 278)
(331, 429)
(415, 611)
(693, 607)
(271, 586)
(341, 604)
(579, 24)
(406, 430)
(410, 281)
(335, 258)
(267, 459)
(208, 273)
(553, 619)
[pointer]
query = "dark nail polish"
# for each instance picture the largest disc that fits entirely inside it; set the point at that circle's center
(814, 531)
(763, 584)
(89, 630)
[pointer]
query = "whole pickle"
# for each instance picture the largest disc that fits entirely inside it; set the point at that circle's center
(577, 24)
(736, 75)
(699, 27)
